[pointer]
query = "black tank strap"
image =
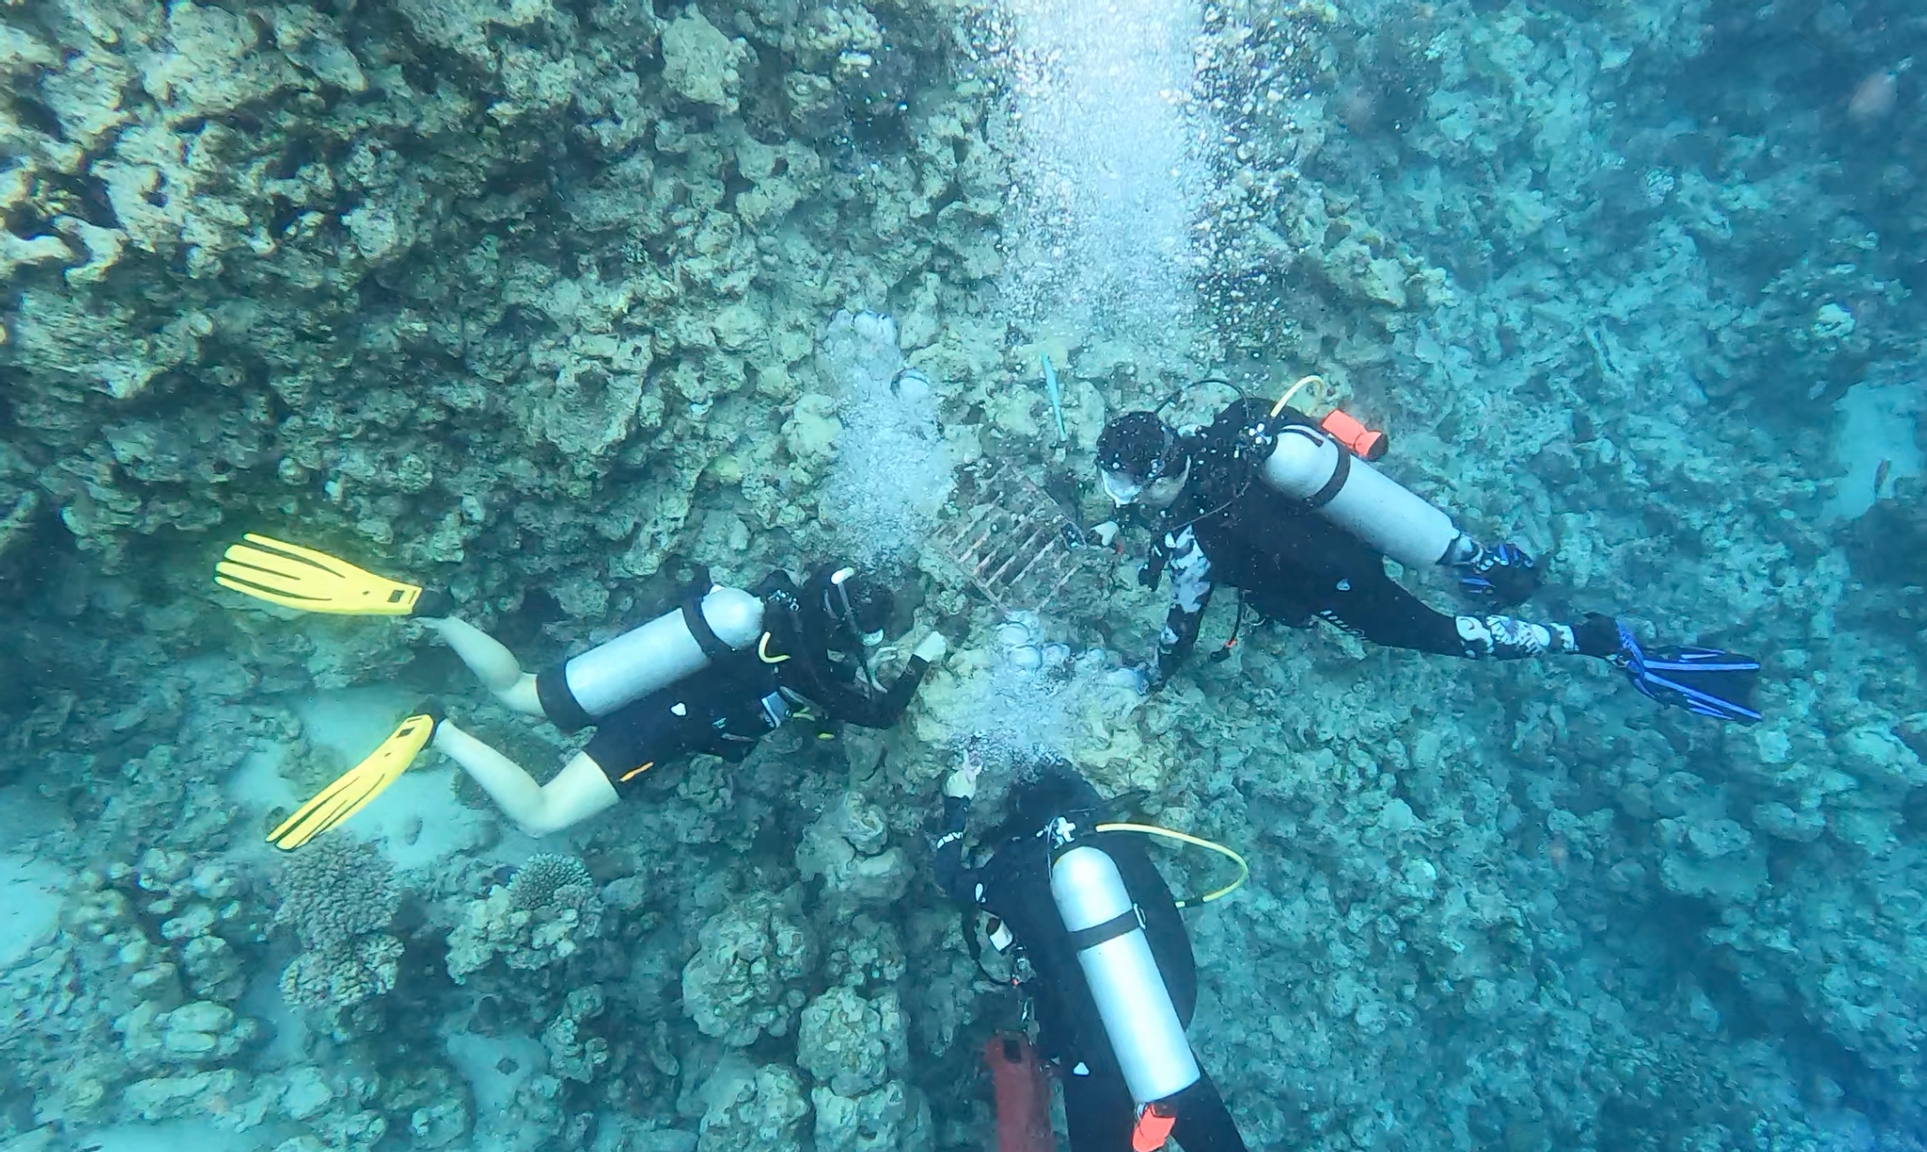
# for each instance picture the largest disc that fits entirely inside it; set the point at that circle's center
(1129, 920)
(1340, 474)
(706, 638)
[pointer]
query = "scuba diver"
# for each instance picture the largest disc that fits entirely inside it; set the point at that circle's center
(1106, 966)
(1291, 512)
(714, 675)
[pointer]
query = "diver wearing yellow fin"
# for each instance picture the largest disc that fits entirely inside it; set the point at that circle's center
(713, 675)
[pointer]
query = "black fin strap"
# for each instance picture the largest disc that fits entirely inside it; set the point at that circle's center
(706, 638)
(1125, 922)
(1332, 486)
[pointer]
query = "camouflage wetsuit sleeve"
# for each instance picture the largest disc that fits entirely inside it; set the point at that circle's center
(1191, 586)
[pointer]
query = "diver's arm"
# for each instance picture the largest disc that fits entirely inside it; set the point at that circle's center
(1190, 594)
(946, 853)
(578, 792)
(493, 664)
(890, 707)
(853, 706)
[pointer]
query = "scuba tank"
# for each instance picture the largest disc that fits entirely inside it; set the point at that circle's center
(1142, 1024)
(1312, 465)
(650, 657)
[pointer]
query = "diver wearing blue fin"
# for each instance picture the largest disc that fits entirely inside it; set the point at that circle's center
(1292, 513)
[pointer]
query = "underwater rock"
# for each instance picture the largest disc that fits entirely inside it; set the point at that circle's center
(700, 64)
(894, 1117)
(849, 1043)
(845, 846)
(572, 1054)
(752, 1109)
(168, 1097)
(865, 951)
(548, 909)
(306, 1093)
(747, 975)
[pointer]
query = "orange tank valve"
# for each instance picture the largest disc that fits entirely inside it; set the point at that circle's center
(1368, 444)
(1153, 1127)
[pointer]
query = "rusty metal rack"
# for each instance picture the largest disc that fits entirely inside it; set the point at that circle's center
(1010, 537)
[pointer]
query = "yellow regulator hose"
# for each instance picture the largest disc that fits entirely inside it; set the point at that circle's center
(1244, 869)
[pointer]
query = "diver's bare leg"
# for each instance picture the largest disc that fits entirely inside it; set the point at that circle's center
(493, 664)
(579, 791)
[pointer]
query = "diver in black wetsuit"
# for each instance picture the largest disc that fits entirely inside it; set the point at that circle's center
(1289, 512)
(810, 666)
(715, 675)
(1128, 1073)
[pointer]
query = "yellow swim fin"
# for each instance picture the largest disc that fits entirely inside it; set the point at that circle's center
(297, 577)
(356, 787)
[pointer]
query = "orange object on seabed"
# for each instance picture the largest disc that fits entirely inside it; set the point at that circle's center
(1023, 1095)
(1368, 444)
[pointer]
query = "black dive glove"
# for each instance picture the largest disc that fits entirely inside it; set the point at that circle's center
(1506, 575)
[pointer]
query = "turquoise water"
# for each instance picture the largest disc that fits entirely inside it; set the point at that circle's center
(543, 304)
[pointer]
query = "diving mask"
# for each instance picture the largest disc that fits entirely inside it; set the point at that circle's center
(1133, 453)
(1121, 487)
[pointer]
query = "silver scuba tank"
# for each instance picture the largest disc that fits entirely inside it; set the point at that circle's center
(1310, 465)
(651, 656)
(1139, 1019)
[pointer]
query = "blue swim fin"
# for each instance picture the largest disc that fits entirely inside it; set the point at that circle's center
(1703, 680)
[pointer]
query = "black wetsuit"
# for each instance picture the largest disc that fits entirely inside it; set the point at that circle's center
(1014, 886)
(1228, 528)
(727, 707)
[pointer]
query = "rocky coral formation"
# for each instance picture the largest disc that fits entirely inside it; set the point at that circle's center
(856, 1050)
(746, 978)
(540, 917)
(752, 1108)
(846, 847)
(136, 1009)
(541, 302)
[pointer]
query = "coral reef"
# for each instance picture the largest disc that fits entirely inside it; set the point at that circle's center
(751, 1108)
(846, 848)
(544, 304)
(540, 917)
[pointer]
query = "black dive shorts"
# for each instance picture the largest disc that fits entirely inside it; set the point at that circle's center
(634, 739)
(637, 737)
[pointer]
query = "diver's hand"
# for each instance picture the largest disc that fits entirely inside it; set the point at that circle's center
(1151, 678)
(962, 783)
(931, 648)
(1506, 575)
